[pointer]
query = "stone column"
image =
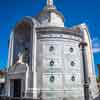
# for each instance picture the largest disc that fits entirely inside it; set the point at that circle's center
(10, 63)
(26, 80)
(82, 45)
(7, 90)
(10, 55)
(34, 47)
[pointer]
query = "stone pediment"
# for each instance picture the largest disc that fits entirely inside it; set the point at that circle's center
(17, 68)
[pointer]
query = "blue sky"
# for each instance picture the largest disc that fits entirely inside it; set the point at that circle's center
(74, 11)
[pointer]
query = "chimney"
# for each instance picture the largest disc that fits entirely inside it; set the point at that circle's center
(99, 70)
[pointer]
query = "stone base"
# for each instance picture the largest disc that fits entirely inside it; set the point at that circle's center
(31, 94)
(15, 98)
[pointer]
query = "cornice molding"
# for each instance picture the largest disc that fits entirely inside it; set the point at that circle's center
(58, 30)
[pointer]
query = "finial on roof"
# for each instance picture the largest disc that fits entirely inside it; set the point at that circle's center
(49, 2)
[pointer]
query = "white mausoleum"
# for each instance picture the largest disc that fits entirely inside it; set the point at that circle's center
(46, 60)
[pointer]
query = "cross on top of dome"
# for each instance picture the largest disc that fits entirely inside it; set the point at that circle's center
(49, 2)
(50, 16)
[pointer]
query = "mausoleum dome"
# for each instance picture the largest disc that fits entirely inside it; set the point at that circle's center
(50, 16)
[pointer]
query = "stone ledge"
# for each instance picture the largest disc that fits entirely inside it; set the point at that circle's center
(15, 98)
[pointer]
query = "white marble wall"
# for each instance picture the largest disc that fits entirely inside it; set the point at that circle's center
(62, 70)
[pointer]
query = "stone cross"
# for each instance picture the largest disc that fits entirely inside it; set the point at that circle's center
(49, 2)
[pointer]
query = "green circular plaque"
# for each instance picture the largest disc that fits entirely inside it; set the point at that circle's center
(52, 78)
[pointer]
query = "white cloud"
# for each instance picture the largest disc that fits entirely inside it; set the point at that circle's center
(96, 50)
(96, 45)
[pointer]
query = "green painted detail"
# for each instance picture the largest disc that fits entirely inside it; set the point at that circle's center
(51, 63)
(52, 78)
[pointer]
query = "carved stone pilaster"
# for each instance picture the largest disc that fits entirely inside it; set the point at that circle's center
(34, 63)
(32, 83)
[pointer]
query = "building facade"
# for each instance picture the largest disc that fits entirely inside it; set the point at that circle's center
(2, 82)
(45, 58)
(98, 78)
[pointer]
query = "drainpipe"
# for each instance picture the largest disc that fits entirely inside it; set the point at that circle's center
(83, 45)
